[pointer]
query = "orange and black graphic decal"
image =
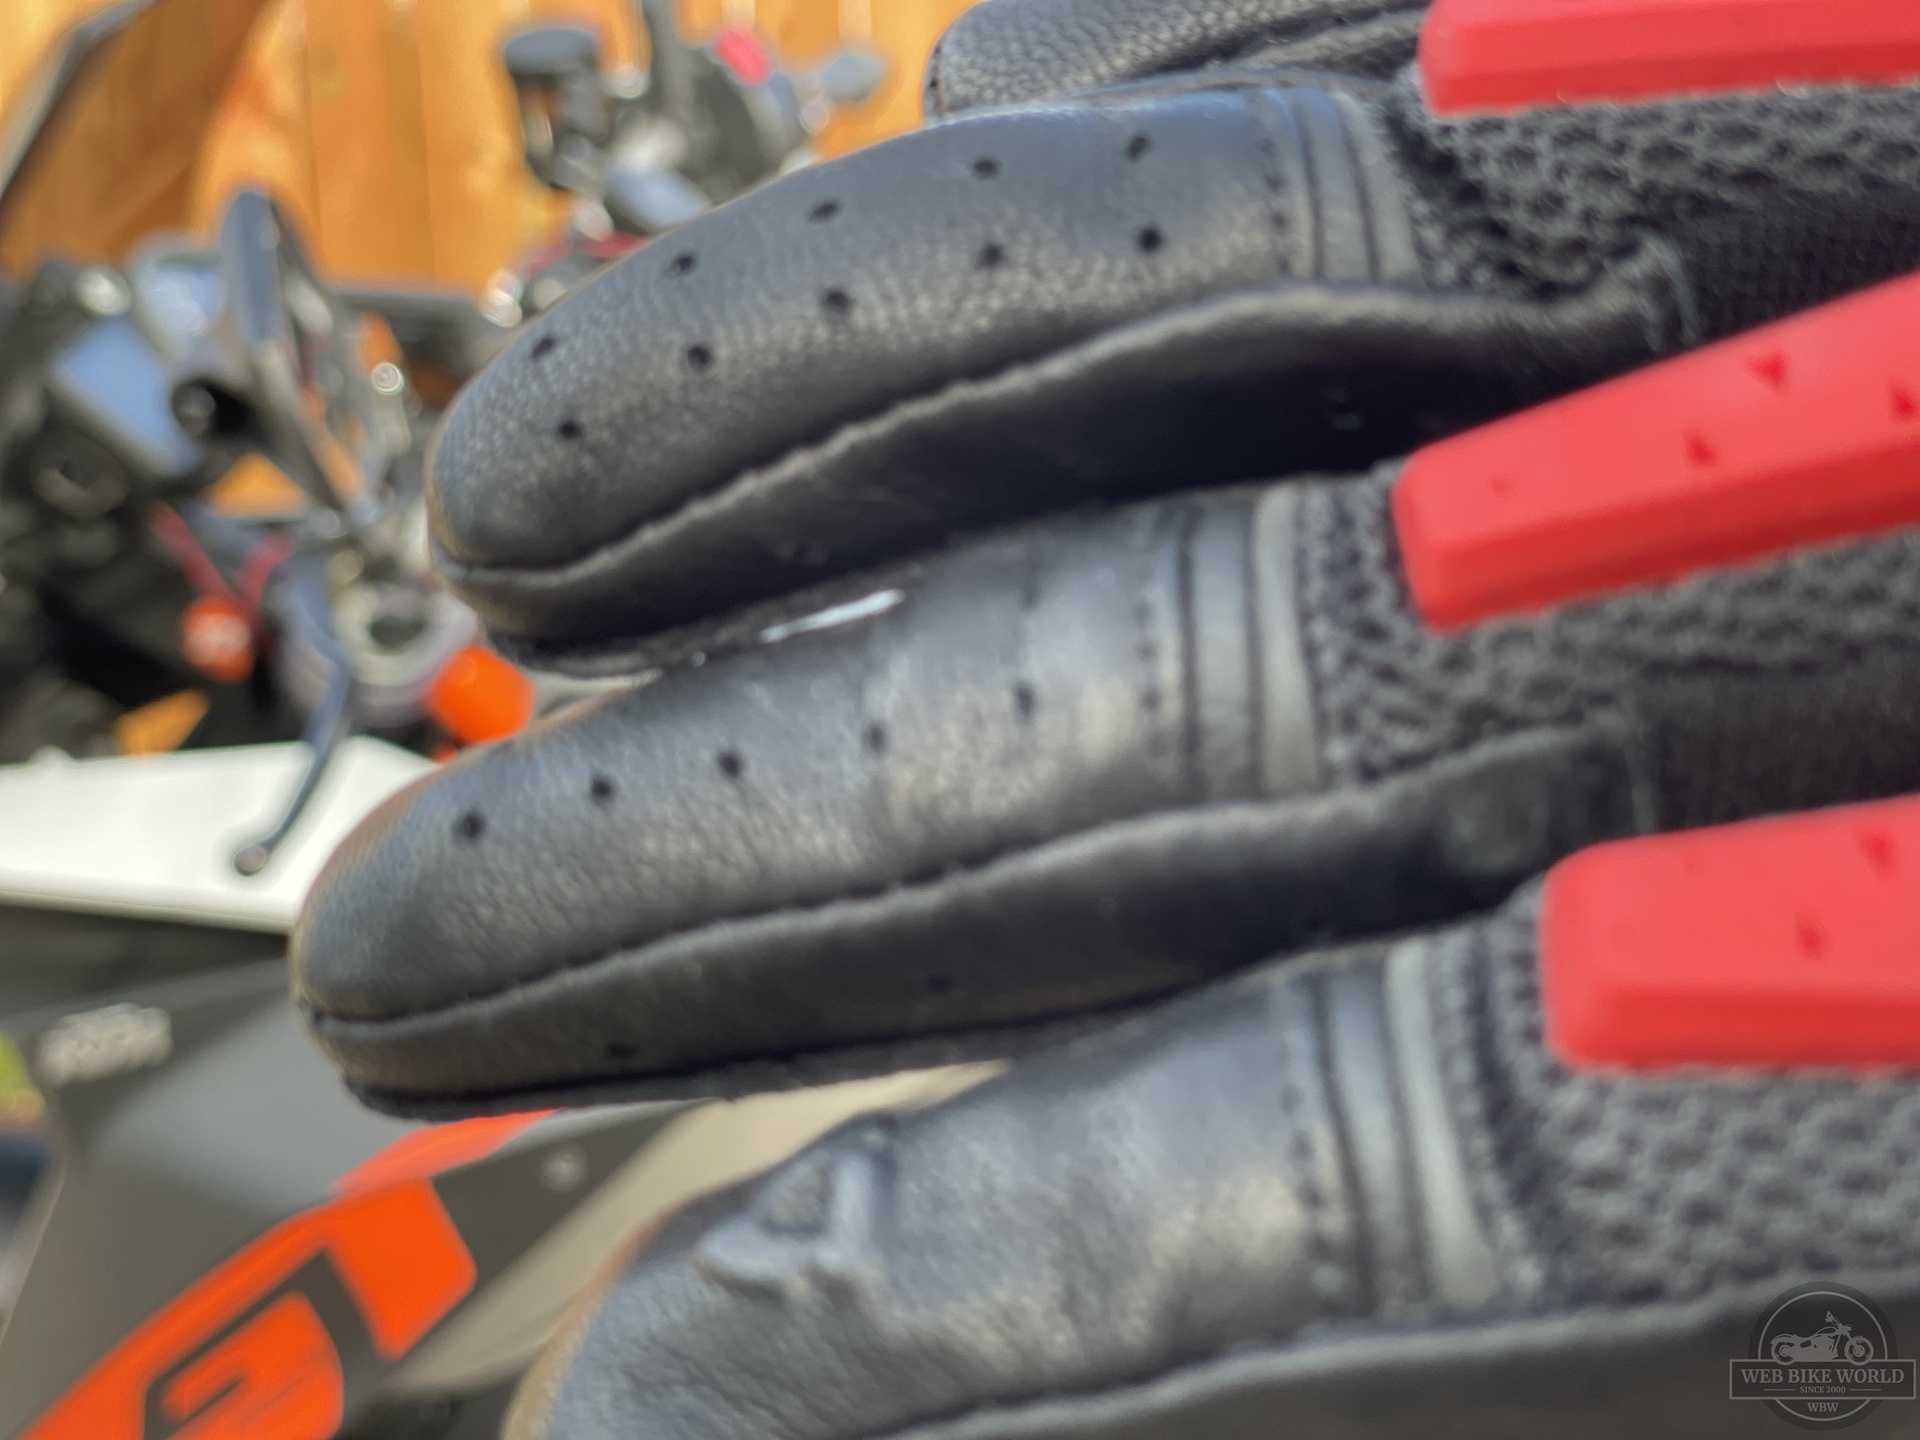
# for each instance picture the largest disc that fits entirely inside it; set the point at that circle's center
(253, 1350)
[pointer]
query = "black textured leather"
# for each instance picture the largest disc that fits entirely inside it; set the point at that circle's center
(1060, 771)
(752, 406)
(1011, 52)
(979, 963)
(1296, 379)
(939, 1262)
(1200, 278)
(1266, 1210)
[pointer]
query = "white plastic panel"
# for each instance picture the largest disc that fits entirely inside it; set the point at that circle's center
(154, 836)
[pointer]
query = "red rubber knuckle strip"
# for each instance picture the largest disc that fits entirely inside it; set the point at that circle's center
(1772, 943)
(1802, 432)
(1504, 55)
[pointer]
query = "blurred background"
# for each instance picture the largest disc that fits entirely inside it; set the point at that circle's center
(394, 138)
(250, 250)
(386, 127)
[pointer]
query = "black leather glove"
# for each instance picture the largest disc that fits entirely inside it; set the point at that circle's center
(905, 792)
(1350, 1195)
(1202, 277)
(1076, 764)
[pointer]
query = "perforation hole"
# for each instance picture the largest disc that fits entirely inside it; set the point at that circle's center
(732, 764)
(991, 257)
(875, 738)
(837, 303)
(986, 167)
(824, 211)
(1149, 239)
(1024, 700)
(601, 790)
(470, 826)
(699, 357)
(682, 264)
(543, 347)
(1138, 146)
(568, 429)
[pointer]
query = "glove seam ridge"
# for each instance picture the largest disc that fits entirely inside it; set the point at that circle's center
(1300, 1152)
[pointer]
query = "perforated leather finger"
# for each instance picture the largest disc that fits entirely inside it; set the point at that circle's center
(1195, 283)
(1066, 771)
(1076, 766)
(1359, 1194)
(1008, 315)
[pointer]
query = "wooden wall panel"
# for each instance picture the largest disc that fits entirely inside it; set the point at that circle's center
(904, 32)
(803, 30)
(387, 126)
(30, 27)
(364, 104)
(412, 164)
(120, 162)
(485, 207)
(261, 133)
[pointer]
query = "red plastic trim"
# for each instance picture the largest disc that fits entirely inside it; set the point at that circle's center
(1774, 943)
(1503, 55)
(389, 1241)
(1803, 432)
(741, 52)
(478, 697)
(396, 1252)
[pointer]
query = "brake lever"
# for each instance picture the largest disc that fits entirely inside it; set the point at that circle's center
(670, 60)
(304, 591)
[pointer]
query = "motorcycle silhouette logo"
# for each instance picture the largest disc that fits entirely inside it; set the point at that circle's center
(1834, 1340)
(1823, 1356)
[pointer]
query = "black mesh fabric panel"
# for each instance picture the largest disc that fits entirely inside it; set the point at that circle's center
(1391, 694)
(1775, 201)
(1632, 1188)
(1376, 47)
